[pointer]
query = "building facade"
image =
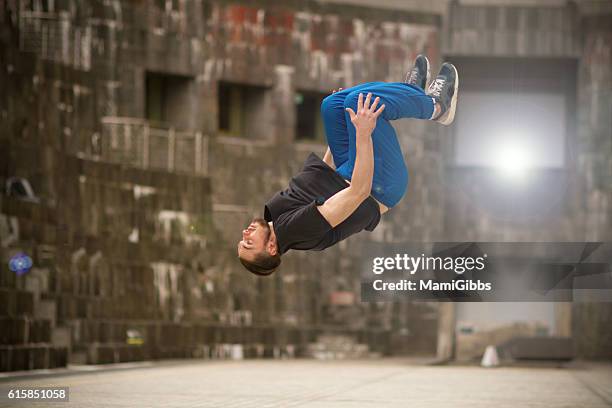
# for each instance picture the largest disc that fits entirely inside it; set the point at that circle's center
(138, 138)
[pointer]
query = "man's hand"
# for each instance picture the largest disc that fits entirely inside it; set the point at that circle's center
(365, 118)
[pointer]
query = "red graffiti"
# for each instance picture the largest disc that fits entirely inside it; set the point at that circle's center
(242, 14)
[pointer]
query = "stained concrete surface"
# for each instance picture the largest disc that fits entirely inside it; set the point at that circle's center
(309, 383)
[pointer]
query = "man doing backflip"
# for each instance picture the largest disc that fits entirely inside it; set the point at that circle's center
(362, 174)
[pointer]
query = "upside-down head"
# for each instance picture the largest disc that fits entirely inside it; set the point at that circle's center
(258, 251)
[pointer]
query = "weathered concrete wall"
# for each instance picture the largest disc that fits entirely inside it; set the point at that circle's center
(566, 204)
(512, 29)
(591, 322)
(133, 234)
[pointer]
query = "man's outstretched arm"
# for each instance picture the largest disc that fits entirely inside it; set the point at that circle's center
(342, 204)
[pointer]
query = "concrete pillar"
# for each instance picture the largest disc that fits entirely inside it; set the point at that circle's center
(282, 104)
(563, 319)
(446, 331)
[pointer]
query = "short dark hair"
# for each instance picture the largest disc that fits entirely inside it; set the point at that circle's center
(263, 264)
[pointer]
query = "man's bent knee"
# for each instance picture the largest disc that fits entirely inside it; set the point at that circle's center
(330, 103)
(351, 100)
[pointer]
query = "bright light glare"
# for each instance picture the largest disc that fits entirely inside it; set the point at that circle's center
(513, 160)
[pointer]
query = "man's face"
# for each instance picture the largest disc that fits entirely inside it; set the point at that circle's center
(254, 239)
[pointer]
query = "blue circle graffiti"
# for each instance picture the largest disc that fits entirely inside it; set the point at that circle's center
(20, 263)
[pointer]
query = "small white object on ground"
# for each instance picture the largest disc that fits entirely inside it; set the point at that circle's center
(490, 357)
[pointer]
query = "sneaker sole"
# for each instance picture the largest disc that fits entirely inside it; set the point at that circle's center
(449, 116)
(427, 77)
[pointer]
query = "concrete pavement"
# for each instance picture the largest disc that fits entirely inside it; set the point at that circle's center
(344, 384)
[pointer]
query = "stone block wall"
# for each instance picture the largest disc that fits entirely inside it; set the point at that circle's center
(133, 229)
